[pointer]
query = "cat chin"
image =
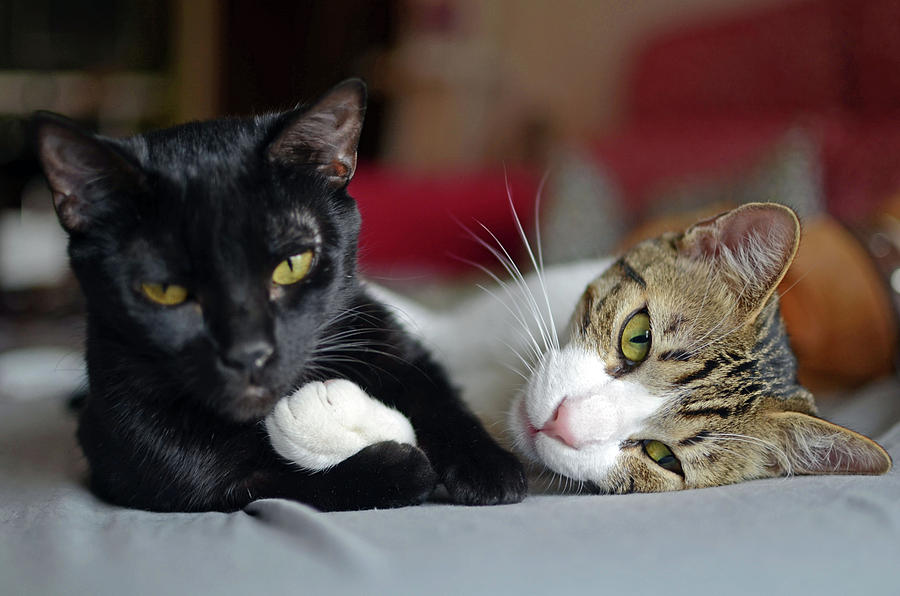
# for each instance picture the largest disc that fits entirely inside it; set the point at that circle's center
(589, 463)
(592, 463)
(252, 404)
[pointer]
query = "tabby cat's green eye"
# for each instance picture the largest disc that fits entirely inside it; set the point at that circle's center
(635, 340)
(292, 269)
(165, 294)
(662, 455)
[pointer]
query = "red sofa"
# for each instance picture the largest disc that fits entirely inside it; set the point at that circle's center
(715, 95)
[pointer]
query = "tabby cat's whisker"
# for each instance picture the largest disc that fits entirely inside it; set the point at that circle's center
(524, 362)
(793, 285)
(509, 264)
(525, 332)
(538, 265)
(521, 317)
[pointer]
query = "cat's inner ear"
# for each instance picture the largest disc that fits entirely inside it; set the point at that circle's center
(325, 136)
(810, 445)
(751, 246)
(80, 168)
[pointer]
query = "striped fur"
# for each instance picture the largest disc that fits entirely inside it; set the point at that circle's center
(719, 385)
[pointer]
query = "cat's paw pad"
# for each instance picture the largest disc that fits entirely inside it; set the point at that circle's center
(323, 423)
(490, 477)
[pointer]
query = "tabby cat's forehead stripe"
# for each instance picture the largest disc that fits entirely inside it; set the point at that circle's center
(678, 354)
(721, 411)
(594, 315)
(741, 368)
(744, 407)
(708, 366)
(698, 438)
(751, 388)
(675, 324)
(630, 272)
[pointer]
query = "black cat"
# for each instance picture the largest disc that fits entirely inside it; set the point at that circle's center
(217, 259)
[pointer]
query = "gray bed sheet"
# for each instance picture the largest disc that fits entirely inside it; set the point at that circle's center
(805, 535)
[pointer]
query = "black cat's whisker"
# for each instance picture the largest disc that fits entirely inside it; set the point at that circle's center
(358, 362)
(367, 349)
(324, 351)
(347, 313)
(358, 346)
(354, 312)
(355, 332)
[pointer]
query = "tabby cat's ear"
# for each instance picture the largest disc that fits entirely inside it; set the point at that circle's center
(752, 246)
(325, 135)
(80, 168)
(811, 445)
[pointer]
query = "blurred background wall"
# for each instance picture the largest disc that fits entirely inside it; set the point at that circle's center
(454, 81)
(634, 109)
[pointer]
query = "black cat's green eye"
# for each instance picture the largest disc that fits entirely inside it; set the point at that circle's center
(165, 294)
(635, 340)
(663, 456)
(293, 269)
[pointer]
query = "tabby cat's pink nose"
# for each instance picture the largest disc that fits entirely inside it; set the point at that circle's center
(560, 425)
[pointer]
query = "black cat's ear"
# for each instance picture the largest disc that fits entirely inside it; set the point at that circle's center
(78, 164)
(752, 246)
(325, 135)
(810, 445)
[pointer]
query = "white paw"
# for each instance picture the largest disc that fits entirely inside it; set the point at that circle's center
(322, 424)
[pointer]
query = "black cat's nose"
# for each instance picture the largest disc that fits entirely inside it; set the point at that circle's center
(252, 355)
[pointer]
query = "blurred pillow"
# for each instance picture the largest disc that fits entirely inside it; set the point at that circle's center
(582, 214)
(789, 173)
(585, 215)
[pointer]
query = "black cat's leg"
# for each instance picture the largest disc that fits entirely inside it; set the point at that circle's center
(474, 469)
(383, 475)
(146, 463)
(400, 372)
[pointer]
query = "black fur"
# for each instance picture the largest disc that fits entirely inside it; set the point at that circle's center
(177, 394)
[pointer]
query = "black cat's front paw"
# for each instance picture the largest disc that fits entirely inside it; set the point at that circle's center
(488, 476)
(388, 475)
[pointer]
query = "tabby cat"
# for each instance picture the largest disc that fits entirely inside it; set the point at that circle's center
(675, 370)
(218, 260)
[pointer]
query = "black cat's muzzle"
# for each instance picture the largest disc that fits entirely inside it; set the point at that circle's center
(253, 403)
